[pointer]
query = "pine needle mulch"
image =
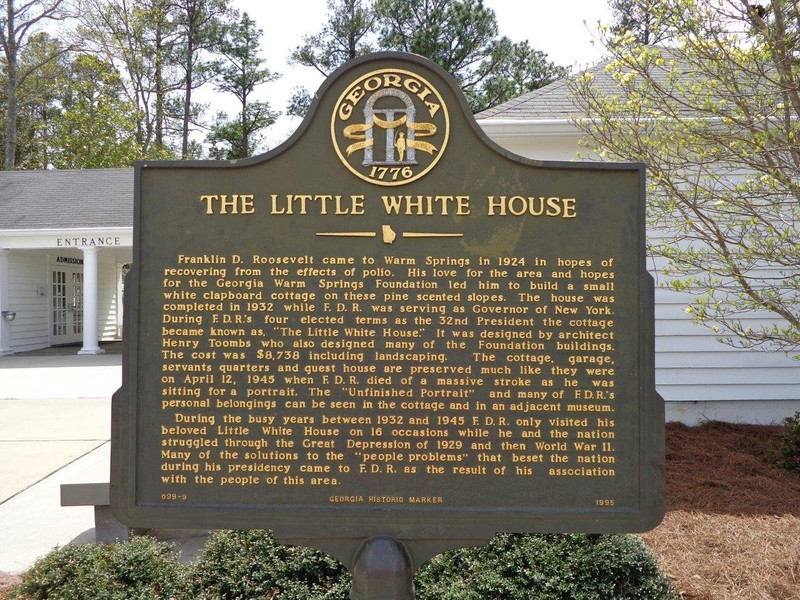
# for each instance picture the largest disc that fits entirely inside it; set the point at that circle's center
(732, 529)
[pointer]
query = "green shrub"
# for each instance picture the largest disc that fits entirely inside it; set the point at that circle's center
(246, 565)
(789, 449)
(545, 567)
(251, 564)
(142, 569)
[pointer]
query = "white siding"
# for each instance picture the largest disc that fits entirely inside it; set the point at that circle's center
(29, 293)
(693, 365)
(27, 278)
(107, 303)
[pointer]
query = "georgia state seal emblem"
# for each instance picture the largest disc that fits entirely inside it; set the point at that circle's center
(390, 127)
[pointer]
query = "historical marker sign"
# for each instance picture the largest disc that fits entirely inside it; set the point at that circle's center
(389, 326)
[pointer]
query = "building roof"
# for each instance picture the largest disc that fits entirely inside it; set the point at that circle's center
(72, 199)
(553, 101)
(557, 101)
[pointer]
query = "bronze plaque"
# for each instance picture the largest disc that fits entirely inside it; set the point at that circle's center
(389, 326)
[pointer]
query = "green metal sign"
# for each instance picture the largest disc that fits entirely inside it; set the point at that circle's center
(389, 326)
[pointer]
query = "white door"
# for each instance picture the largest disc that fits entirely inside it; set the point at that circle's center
(66, 305)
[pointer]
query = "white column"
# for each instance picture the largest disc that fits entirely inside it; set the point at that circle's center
(90, 345)
(5, 326)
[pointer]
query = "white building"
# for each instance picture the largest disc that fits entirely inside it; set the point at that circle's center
(699, 377)
(64, 239)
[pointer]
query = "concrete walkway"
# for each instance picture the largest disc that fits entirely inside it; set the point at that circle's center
(55, 426)
(55, 416)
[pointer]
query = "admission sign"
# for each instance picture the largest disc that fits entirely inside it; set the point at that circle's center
(389, 326)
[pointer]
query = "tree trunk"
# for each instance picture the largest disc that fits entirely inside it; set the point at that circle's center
(245, 129)
(245, 136)
(159, 86)
(12, 110)
(187, 100)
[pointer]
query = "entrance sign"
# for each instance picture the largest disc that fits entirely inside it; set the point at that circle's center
(389, 326)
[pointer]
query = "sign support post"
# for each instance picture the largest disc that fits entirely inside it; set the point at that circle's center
(382, 570)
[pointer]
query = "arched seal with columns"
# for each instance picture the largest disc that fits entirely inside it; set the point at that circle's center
(404, 131)
(393, 118)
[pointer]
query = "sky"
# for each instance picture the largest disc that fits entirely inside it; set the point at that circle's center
(563, 29)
